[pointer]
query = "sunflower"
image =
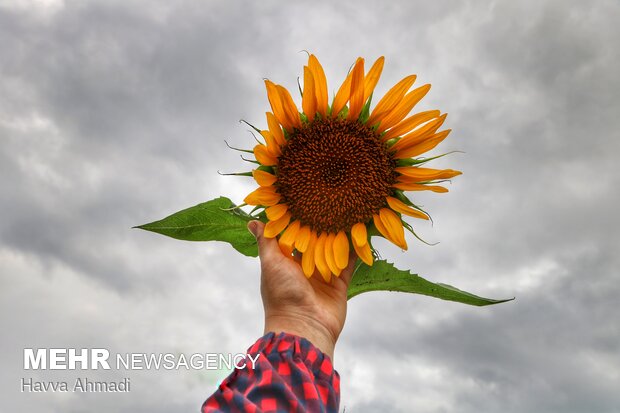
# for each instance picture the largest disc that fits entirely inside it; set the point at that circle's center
(333, 175)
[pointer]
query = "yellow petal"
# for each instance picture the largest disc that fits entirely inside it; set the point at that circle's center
(275, 128)
(405, 186)
(265, 195)
(383, 229)
(409, 124)
(359, 235)
(426, 174)
(319, 257)
(343, 95)
(286, 250)
(287, 240)
(303, 238)
(403, 108)
(263, 178)
(307, 258)
(308, 100)
(276, 104)
(329, 254)
(371, 79)
(272, 146)
(290, 109)
(357, 90)
(408, 179)
(320, 84)
(399, 206)
(273, 228)
(424, 146)
(341, 250)
(419, 134)
(263, 156)
(364, 253)
(394, 226)
(391, 99)
(276, 212)
(380, 227)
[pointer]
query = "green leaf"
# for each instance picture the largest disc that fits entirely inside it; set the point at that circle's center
(215, 220)
(383, 276)
(221, 220)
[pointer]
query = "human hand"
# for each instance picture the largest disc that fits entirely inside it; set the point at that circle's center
(306, 307)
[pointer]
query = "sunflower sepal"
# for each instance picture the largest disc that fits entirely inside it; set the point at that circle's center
(400, 195)
(234, 173)
(435, 182)
(238, 149)
(250, 160)
(420, 161)
(409, 228)
(343, 113)
(390, 142)
(286, 134)
(374, 126)
(265, 168)
(365, 113)
(250, 125)
(372, 230)
(261, 215)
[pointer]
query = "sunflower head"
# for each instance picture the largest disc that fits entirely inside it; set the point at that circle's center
(331, 175)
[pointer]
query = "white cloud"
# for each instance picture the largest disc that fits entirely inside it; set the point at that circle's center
(114, 114)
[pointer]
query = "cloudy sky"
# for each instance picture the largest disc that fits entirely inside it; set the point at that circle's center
(114, 113)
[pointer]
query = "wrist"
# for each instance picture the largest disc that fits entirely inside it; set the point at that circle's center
(302, 326)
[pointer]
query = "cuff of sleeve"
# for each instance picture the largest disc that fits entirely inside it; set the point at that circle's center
(299, 349)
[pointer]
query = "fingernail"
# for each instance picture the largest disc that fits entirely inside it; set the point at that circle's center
(252, 227)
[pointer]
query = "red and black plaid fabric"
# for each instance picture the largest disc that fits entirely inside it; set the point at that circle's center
(291, 375)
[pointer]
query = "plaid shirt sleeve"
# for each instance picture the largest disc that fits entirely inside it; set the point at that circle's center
(290, 375)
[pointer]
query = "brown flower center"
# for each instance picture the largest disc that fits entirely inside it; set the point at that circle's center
(334, 173)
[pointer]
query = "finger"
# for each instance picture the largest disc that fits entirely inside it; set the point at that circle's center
(268, 248)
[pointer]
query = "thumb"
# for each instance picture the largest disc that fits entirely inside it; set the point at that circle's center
(266, 246)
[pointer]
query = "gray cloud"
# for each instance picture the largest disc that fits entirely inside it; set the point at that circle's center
(113, 114)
